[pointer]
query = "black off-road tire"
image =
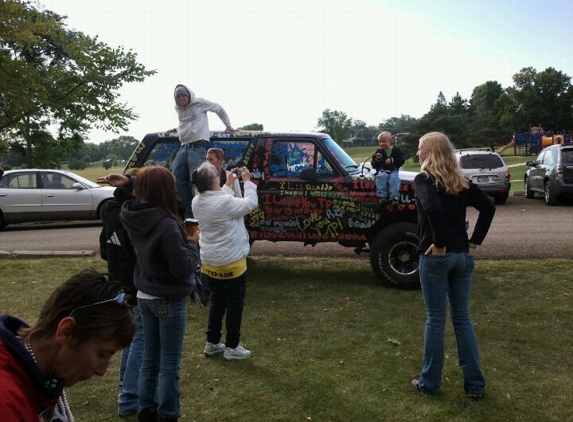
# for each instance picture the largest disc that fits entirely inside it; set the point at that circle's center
(393, 256)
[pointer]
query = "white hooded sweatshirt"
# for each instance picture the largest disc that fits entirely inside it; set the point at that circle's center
(193, 120)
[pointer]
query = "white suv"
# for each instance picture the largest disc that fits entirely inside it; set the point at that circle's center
(486, 169)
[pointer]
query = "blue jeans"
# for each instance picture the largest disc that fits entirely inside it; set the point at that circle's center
(164, 322)
(186, 161)
(227, 296)
(387, 181)
(131, 358)
(442, 277)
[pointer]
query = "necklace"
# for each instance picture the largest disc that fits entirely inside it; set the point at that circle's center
(63, 406)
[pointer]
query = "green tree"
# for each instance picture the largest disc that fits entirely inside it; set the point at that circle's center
(53, 79)
(451, 118)
(485, 125)
(336, 123)
(252, 126)
(123, 147)
(545, 97)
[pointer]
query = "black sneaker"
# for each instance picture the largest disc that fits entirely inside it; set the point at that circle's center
(395, 200)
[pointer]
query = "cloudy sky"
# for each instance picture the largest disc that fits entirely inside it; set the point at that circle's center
(281, 63)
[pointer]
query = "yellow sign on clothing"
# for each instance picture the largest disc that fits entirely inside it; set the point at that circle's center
(225, 272)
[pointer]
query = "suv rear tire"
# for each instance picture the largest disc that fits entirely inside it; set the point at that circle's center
(550, 196)
(393, 256)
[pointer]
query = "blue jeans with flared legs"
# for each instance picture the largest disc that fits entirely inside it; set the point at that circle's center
(186, 161)
(131, 358)
(164, 322)
(449, 277)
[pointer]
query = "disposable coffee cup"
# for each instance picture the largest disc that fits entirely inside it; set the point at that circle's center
(191, 226)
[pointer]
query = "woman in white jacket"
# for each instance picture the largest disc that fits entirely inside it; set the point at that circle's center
(224, 246)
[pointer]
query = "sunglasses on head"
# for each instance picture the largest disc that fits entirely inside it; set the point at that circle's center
(121, 299)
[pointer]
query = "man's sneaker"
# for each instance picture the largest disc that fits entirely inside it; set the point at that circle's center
(212, 349)
(238, 352)
(395, 200)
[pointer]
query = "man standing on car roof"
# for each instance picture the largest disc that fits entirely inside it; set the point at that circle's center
(194, 135)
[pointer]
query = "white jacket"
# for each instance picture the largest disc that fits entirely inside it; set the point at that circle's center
(223, 235)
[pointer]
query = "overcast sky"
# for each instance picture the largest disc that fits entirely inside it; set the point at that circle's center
(282, 63)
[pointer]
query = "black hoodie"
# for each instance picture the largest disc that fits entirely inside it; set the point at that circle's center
(166, 261)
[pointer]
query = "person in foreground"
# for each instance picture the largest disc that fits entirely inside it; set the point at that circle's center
(164, 278)
(224, 244)
(81, 325)
(446, 262)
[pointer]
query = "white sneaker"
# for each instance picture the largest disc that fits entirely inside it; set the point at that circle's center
(212, 349)
(238, 352)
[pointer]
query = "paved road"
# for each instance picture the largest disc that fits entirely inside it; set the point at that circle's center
(521, 229)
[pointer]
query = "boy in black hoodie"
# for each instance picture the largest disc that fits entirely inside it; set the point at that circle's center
(386, 161)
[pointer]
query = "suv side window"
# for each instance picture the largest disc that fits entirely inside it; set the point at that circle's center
(288, 158)
(567, 156)
(550, 157)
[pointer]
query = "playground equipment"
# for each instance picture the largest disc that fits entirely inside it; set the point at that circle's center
(533, 142)
(503, 148)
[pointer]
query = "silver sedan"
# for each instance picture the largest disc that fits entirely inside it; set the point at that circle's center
(49, 195)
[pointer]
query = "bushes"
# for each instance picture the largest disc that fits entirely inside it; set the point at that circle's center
(77, 165)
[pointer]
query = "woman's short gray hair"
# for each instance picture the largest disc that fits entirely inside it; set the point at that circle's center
(204, 177)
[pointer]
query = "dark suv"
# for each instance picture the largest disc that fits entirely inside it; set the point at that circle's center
(551, 174)
(311, 191)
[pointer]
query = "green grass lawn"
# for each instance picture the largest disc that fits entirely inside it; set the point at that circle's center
(330, 343)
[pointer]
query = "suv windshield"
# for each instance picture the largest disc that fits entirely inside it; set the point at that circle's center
(341, 156)
(480, 161)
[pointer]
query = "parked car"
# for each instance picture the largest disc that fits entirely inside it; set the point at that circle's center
(49, 195)
(551, 174)
(486, 169)
(311, 191)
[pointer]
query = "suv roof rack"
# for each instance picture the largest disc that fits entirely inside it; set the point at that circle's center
(474, 149)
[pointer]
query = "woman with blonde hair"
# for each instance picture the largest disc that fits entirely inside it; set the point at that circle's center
(446, 262)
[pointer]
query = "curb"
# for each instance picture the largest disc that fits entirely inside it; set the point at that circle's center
(44, 254)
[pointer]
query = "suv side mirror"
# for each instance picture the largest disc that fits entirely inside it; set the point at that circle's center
(309, 174)
(530, 164)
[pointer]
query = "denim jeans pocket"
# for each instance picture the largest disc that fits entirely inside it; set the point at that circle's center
(470, 263)
(159, 308)
(436, 264)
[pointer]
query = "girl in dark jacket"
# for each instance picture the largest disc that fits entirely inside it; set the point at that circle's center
(164, 274)
(446, 261)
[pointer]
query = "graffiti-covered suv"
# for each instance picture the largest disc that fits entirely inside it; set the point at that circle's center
(311, 191)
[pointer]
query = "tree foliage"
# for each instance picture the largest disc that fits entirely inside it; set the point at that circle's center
(336, 123)
(57, 80)
(538, 97)
(252, 126)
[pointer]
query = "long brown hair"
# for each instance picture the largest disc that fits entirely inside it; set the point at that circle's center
(156, 186)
